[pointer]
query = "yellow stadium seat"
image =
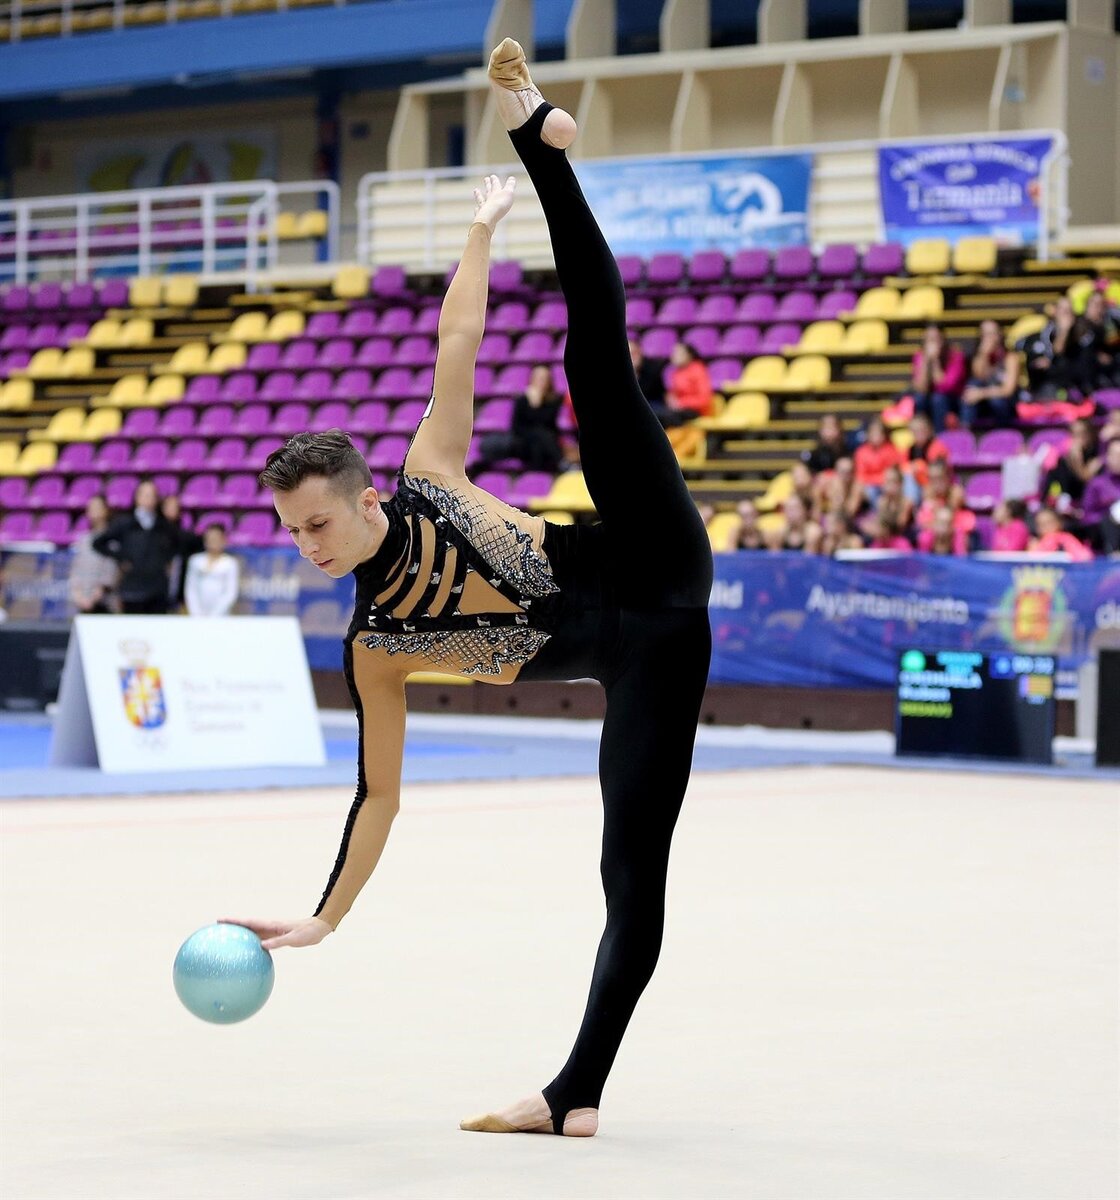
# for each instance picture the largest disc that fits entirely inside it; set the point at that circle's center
(558, 518)
(745, 410)
(249, 327)
(821, 337)
(928, 256)
(974, 256)
(779, 490)
(189, 359)
(16, 394)
(9, 456)
(351, 283)
(866, 337)
(36, 457)
(1079, 293)
(723, 531)
(1026, 326)
(922, 304)
(312, 224)
(145, 291)
(771, 522)
(45, 364)
(180, 291)
(136, 332)
(165, 389)
(762, 374)
(104, 333)
(809, 373)
(127, 392)
(879, 302)
(102, 423)
(228, 357)
(64, 426)
(285, 325)
(77, 362)
(568, 491)
(287, 226)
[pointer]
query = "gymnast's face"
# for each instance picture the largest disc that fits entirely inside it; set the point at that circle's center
(333, 530)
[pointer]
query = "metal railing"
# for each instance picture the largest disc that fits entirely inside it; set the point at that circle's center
(221, 227)
(417, 217)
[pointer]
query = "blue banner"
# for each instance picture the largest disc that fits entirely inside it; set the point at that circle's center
(648, 205)
(799, 621)
(788, 619)
(960, 189)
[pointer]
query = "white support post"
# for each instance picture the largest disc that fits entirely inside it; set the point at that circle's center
(592, 30)
(782, 21)
(685, 25)
(1093, 16)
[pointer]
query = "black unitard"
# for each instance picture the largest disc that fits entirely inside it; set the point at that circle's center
(639, 582)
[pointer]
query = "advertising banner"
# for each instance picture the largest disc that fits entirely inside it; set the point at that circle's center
(974, 187)
(649, 205)
(168, 693)
(801, 621)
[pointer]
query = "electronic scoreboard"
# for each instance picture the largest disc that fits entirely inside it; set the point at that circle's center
(965, 704)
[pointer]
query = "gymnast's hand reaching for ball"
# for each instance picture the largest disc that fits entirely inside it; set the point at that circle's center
(273, 934)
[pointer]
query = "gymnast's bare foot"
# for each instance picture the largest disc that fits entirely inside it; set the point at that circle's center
(532, 1115)
(518, 98)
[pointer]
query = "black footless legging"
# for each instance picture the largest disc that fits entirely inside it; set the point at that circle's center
(653, 545)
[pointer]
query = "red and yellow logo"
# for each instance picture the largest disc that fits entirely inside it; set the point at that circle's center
(142, 688)
(1033, 613)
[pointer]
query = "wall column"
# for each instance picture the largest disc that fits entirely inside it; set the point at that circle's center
(782, 21)
(685, 25)
(510, 18)
(882, 16)
(592, 30)
(987, 12)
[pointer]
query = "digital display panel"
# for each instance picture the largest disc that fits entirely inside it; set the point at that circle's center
(964, 704)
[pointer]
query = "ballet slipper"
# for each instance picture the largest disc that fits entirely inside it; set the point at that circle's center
(492, 1123)
(517, 97)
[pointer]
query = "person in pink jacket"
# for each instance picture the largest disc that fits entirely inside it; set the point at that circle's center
(690, 387)
(938, 372)
(1051, 538)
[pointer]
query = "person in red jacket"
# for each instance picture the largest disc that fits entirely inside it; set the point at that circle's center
(690, 387)
(873, 458)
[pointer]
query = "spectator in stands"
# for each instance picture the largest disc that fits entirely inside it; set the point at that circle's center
(650, 373)
(93, 575)
(831, 445)
(942, 492)
(188, 543)
(882, 535)
(213, 577)
(1064, 484)
(872, 459)
(923, 450)
(839, 491)
(838, 532)
(1011, 534)
(994, 383)
(942, 537)
(937, 375)
(1051, 354)
(804, 485)
(797, 532)
(1097, 334)
(749, 537)
(894, 504)
(1051, 537)
(690, 387)
(144, 544)
(533, 436)
(1101, 503)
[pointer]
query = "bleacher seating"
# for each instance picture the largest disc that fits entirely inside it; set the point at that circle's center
(101, 384)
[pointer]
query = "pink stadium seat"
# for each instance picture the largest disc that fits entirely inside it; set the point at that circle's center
(16, 299)
(140, 423)
(178, 422)
(299, 355)
(47, 297)
(422, 384)
(741, 340)
(678, 310)
(415, 351)
(238, 491)
(387, 454)
(323, 325)
(260, 450)
(483, 381)
(278, 387)
(1056, 438)
(238, 388)
(961, 445)
(152, 455)
(839, 261)
(427, 321)
(510, 317)
(334, 415)
(506, 276)
(252, 421)
(724, 370)
(120, 490)
(189, 455)
(73, 331)
(216, 421)
(758, 308)
(389, 281)
(658, 343)
(16, 337)
(983, 490)
(314, 385)
(493, 417)
(551, 315)
(750, 266)
(265, 356)
(337, 354)
(997, 445)
(205, 519)
(81, 296)
(793, 262)
(405, 417)
(359, 323)
(16, 527)
(393, 384)
(13, 492)
(534, 348)
(15, 361)
(797, 306)
(77, 456)
(355, 384)
(639, 312)
(497, 483)
(704, 339)
(375, 352)
(372, 416)
(784, 333)
(203, 389)
(707, 267)
(495, 348)
(53, 527)
(255, 529)
(512, 380)
(43, 335)
(883, 258)
(290, 419)
(228, 454)
(530, 486)
(48, 491)
(716, 309)
(832, 304)
(630, 268)
(112, 456)
(1108, 399)
(113, 293)
(395, 321)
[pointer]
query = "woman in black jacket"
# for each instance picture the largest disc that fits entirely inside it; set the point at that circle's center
(145, 544)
